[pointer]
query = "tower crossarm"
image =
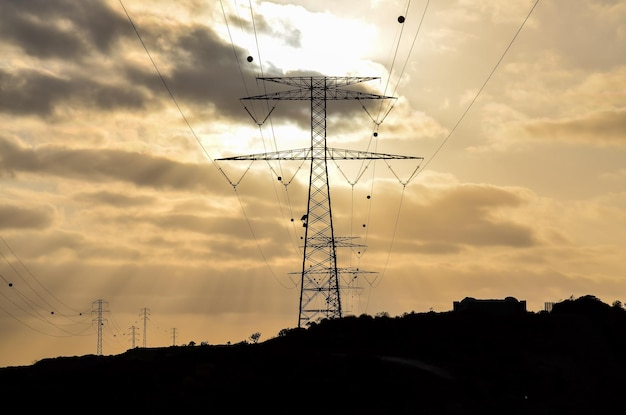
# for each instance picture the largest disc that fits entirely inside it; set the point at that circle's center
(331, 154)
(296, 154)
(353, 270)
(303, 94)
(340, 270)
(327, 88)
(340, 242)
(309, 81)
(342, 154)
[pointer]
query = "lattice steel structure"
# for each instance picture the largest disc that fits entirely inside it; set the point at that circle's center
(98, 309)
(320, 295)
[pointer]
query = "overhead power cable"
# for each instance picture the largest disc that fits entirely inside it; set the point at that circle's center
(171, 94)
(39, 284)
(260, 121)
(493, 70)
(378, 120)
(182, 114)
(406, 61)
(32, 304)
(445, 140)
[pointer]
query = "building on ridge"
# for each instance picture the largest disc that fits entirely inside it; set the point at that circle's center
(507, 306)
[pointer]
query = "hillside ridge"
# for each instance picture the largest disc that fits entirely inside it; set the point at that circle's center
(570, 360)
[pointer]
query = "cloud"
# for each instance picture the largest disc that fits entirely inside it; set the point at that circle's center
(106, 197)
(20, 217)
(83, 50)
(63, 29)
(586, 37)
(32, 92)
(468, 215)
(100, 165)
(601, 128)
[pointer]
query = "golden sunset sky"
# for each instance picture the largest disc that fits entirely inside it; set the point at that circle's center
(112, 191)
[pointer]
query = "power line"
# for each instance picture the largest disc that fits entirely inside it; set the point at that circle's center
(376, 120)
(27, 303)
(493, 70)
(33, 277)
(169, 91)
(175, 101)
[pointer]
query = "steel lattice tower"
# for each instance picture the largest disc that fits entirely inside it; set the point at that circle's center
(98, 308)
(319, 289)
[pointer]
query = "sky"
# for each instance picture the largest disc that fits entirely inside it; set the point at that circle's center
(115, 205)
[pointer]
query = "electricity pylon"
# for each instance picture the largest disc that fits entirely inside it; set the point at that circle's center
(319, 289)
(133, 333)
(98, 308)
(145, 312)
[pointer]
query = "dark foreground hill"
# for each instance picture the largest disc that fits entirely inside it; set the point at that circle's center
(569, 361)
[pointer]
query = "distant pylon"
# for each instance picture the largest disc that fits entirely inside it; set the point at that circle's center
(174, 331)
(133, 333)
(99, 307)
(319, 289)
(145, 313)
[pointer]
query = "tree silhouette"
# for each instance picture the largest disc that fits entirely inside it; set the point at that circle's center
(255, 337)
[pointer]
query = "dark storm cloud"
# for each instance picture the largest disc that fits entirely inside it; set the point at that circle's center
(64, 29)
(37, 93)
(202, 70)
(75, 34)
(108, 165)
(19, 217)
(205, 70)
(198, 69)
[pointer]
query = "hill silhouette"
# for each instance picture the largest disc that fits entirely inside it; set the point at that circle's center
(568, 361)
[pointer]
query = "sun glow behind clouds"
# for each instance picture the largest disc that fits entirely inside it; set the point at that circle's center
(318, 42)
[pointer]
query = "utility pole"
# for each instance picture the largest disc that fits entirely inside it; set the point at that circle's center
(99, 308)
(319, 288)
(145, 312)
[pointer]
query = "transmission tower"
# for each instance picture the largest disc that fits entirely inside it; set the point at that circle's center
(133, 333)
(319, 288)
(145, 312)
(98, 308)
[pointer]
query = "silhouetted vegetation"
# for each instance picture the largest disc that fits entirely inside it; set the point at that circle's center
(568, 361)
(254, 337)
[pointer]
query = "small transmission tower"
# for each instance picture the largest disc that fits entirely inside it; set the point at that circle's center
(145, 313)
(98, 309)
(319, 289)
